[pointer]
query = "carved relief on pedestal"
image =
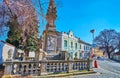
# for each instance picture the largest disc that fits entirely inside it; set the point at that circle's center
(9, 54)
(51, 45)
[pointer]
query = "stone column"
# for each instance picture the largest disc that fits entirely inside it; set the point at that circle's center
(69, 64)
(43, 66)
(88, 63)
(8, 64)
(7, 70)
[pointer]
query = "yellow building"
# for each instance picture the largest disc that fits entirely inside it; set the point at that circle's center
(97, 52)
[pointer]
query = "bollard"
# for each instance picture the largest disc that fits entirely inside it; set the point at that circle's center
(95, 64)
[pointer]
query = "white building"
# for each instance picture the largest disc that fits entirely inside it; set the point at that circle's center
(69, 45)
(84, 49)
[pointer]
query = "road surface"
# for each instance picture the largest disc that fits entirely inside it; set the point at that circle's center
(106, 69)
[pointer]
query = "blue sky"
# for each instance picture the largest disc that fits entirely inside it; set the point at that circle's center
(81, 16)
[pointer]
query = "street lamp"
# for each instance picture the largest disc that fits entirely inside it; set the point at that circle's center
(93, 31)
(93, 46)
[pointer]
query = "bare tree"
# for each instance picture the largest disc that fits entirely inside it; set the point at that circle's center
(24, 16)
(118, 42)
(107, 41)
(24, 10)
(21, 18)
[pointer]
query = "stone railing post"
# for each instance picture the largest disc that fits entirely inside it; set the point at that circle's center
(88, 64)
(8, 68)
(43, 66)
(69, 65)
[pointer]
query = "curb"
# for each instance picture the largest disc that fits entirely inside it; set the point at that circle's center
(66, 74)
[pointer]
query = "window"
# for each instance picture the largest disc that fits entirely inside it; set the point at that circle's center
(80, 46)
(75, 45)
(88, 48)
(80, 55)
(65, 43)
(84, 47)
(71, 44)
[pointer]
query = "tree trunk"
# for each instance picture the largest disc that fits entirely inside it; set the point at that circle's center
(109, 55)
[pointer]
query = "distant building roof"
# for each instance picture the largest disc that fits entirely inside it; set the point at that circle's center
(81, 41)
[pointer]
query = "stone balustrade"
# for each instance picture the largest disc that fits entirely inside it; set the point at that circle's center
(44, 67)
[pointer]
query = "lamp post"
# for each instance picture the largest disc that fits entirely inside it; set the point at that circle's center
(93, 46)
(93, 31)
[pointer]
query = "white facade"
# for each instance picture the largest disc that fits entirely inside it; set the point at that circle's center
(81, 50)
(6, 49)
(84, 49)
(71, 45)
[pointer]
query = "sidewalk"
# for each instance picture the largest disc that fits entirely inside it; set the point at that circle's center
(83, 72)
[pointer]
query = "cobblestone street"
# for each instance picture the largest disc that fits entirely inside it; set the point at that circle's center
(103, 71)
